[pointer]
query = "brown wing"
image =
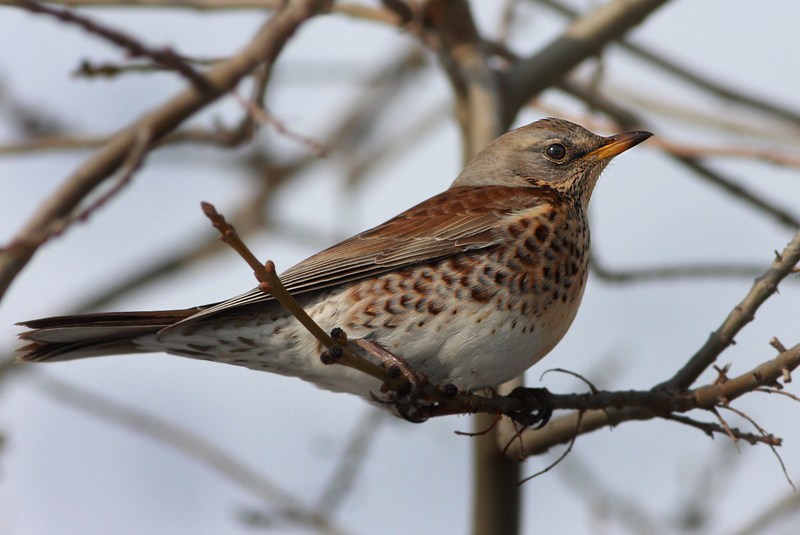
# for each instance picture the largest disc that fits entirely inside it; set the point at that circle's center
(457, 220)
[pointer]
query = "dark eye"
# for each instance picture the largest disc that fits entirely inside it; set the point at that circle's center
(556, 151)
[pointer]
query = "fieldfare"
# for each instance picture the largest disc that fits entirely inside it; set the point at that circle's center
(472, 286)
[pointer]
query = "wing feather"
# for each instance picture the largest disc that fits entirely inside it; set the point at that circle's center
(457, 220)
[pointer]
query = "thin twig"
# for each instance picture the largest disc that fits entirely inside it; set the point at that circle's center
(58, 226)
(672, 273)
(725, 426)
(765, 434)
(354, 10)
(261, 115)
(584, 38)
(780, 392)
(135, 48)
(563, 455)
(630, 120)
(710, 428)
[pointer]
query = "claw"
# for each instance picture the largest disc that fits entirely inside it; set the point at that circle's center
(527, 417)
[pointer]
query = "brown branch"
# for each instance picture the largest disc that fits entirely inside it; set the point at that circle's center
(385, 16)
(672, 273)
(561, 457)
(258, 113)
(741, 315)
(688, 75)
(88, 69)
(613, 408)
(250, 217)
(271, 284)
(522, 404)
(479, 101)
(766, 435)
(584, 38)
(135, 48)
(658, 401)
(630, 120)
(695, 152)
(263, 48)
(710, 428)
(726, 427)
(59, 225)
(784, 217)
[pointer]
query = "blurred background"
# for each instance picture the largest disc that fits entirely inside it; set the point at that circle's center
(162, 444)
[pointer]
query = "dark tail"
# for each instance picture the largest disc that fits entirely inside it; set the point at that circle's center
(93, 335)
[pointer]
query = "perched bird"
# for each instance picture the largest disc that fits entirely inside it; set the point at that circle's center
(472, 286)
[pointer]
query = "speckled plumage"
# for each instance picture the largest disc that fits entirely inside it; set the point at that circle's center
(472, 286)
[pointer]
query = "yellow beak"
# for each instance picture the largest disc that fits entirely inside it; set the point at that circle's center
(618, 144)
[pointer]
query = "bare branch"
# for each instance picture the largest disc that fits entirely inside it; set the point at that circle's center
(695, 152)
(629, 119)
(765, 434)
(687, 75)
(562, 456)
(584, 38)
(710, 428)
(164, 57)
(263, 48)
(613, 408)
(271, 284)
(673, 273)
(741, 315)
(479, 102)
(350, 9)
(58, 225)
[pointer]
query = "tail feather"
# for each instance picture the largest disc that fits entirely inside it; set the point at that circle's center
(92, 335)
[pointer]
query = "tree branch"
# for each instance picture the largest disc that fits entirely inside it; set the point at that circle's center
(584, 38)
(741, 315)
(263, 48)
(689, 76)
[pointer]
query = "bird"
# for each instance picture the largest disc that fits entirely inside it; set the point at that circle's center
(471, 287)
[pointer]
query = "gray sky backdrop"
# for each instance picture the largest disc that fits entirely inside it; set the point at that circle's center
(66, 472)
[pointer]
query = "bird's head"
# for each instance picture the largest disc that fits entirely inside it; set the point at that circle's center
(550, 152)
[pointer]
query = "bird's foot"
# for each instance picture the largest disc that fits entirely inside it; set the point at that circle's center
(534, 398)
(405, 402)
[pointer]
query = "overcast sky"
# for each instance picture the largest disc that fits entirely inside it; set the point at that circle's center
(64, 471)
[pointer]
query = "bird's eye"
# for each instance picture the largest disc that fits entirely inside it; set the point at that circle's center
(556, 152)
